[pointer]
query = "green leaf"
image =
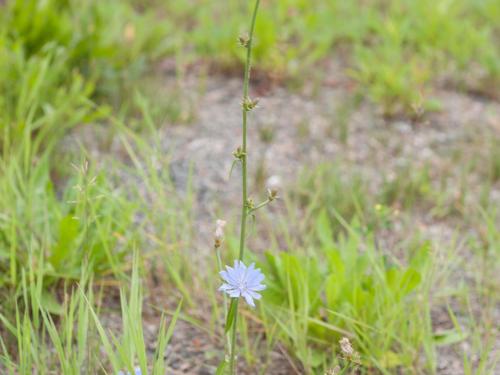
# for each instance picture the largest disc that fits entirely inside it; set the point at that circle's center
(392, 277)
(390, 359)
(231, 315)
(324, 229)
(449, 337)
(336, 263)
(410, 280)
(68, 231)
(332, 290)
(421, 256)
(317, 357)
(221, 368)
(49, 303)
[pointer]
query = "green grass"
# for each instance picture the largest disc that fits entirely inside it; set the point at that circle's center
(337, 291)
(68, 340)
(57, 56)
(395, 50)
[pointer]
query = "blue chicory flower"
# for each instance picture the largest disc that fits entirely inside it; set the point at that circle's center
(137, 371)
(242, 281)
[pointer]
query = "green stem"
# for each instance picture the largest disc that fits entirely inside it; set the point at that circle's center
(260, 205)
(244, 195)
(246, 81)
(219, 266)
(232, 348)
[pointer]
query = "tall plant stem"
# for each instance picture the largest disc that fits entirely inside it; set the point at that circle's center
(246, 83)
(232, 348)
(244, 195)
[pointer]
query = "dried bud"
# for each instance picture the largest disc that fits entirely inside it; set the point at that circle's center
(272, 194)
(346, 347)
(244, 40)
(249, 104)
(333, 371)
(129, 32)
(273, 182)
(219, 232)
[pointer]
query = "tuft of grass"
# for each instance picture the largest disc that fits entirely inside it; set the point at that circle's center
(397, 51)
(337, 290)
(411, 185)
(70, 341)
(58, 56)
(316, 200)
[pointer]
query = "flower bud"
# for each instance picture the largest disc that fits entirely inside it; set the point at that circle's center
(244, 40)
(346, 347)
(238, 153)
(272, 194)
(334, 371)
(129, 32)
(219, 232)
(250, 203)
(273, 184)
(249, 104)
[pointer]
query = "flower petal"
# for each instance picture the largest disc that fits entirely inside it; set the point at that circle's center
(249, 299)
(224, 287)
(254, 294)
(257, 288)
(255, 278)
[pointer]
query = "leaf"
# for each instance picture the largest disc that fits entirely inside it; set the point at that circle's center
(49, 303)
(231, 315)
(221, 368)
(232, 167)
(410, 280)
(392, 276)
(449, 337)
(317, 357)
(390, 359)
(421, 256)
(68, 231)
(332, 290)
(336, 262)
(324, 229)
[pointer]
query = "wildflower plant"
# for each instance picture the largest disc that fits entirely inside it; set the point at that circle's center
(241, 280)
